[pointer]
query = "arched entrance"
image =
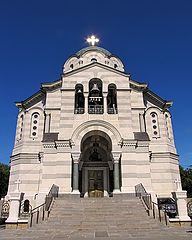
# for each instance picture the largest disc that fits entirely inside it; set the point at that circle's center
(96, 166)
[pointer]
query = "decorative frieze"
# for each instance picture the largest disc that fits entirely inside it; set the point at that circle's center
(129, 143)
(62, 143)
(49, 145)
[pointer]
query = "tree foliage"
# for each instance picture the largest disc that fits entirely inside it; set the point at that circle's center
(186, 180)
(4, 179)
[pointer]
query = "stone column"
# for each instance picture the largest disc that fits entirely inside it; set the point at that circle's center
(76, 158)
(105, 103)
(116, 174)
(86, 102)
(47, 122)
(142, 122)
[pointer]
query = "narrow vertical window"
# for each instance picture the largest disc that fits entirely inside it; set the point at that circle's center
(79, 99)
(168, 126)
(112, 99)
(155, 125)
(20, 128)
(34, 124)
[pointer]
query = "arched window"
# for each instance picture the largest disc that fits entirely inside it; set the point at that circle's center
(155, 125)
(79, 99)
(95, 101)
(34, 124)
(26, 206)
(71, 66)
(112, 99)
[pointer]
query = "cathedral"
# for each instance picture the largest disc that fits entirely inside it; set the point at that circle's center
(94, 132)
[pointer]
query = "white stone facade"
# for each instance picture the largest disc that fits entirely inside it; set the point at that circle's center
(56, 139)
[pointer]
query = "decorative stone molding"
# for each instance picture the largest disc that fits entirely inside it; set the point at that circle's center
(76, 157)
(62, 143)
(142, 144)
(129, 143)
(116, 156)
(49, 145)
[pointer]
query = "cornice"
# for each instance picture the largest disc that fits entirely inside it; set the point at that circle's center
(52, 85)
(154, 98)
(138, 86)
(32, 99)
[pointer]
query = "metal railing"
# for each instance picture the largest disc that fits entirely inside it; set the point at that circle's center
(189, 207)
(42, 212)
(79, 110)
(92, 109)
(111, 110)
(159, 214)
(151, 207)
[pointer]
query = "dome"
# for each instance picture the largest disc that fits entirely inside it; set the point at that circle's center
(93, 48)
(91, 54)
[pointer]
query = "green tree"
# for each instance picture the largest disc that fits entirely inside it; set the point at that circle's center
(4, 179)
(186, 180)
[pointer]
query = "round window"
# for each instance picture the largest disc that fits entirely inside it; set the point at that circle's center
(155, 127)
(153, 115)
(34, 133)
(153, 121)
(155, 132)
(35, 121)
(35, 116)
(34, 128)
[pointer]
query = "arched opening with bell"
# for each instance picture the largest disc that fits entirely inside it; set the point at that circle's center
(95, 100)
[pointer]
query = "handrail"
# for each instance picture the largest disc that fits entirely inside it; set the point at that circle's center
(37, 207)
(149, 205)
(142, 193)
(44, 208)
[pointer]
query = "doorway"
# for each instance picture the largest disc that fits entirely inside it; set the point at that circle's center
(95, 183)
(96, 165)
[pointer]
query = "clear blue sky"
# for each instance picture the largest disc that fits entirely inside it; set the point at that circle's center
(152, 37)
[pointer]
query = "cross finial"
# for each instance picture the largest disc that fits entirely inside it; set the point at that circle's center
(18, 181)
(92, 40)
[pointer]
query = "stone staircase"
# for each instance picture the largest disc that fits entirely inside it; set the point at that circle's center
(119, 218)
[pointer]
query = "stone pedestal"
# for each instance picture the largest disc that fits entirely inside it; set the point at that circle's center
(181, 198)
(15, 199)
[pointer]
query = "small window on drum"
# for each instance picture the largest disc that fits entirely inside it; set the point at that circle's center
(71, 66)
(93, 60)
(155, 125)
(115, 66)
(34, 124)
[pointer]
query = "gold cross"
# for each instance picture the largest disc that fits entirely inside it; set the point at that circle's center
(92, 40)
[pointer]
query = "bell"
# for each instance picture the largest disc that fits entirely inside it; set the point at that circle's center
(79, 91)
(95, 88)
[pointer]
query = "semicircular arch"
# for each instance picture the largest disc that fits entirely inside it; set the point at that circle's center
(96, 125)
